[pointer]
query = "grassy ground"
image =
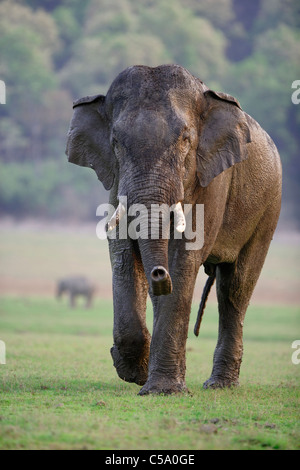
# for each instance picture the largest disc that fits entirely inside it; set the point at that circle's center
(59, 390)
(34, 256)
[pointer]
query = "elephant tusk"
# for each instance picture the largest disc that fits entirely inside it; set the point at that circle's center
(116, 217)
(180, 223)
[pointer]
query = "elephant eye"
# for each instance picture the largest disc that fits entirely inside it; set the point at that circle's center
(186, 141)
(116, 147)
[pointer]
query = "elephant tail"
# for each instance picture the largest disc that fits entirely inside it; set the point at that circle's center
(209, 283)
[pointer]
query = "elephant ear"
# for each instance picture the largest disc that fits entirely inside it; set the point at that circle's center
(223, 136)
(101, 161)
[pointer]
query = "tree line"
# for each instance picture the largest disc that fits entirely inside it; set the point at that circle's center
(53, 52)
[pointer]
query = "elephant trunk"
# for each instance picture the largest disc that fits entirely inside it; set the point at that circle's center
(154, 224)
(154, 247)
(154, 255)
(154, 251)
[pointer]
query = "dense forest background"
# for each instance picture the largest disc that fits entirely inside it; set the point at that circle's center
(52, 52)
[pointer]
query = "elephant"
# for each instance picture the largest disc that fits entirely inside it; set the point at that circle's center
(161, 137)
(75, 286)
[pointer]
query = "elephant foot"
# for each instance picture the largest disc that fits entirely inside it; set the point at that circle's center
(163, 387)
(130, 370)
(219, 382)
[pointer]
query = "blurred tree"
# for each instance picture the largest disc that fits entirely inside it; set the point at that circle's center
(12, 138)
(263, 83)
(219, 12)
(97, 61)
(106, 17)
(52, 189)
(26, 51)
(52, 52)
(27, 41)
(122, 33)
(68, 28)
(48, 5)
(110, 42)
(189, 40)
(228, 16)
(241, 41)
(272, 14)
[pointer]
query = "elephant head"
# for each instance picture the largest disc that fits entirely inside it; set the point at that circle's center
(61, 288)
(158, 135)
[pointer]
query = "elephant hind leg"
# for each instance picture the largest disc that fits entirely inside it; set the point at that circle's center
(72, 300)
(235, 285)
(88, 302)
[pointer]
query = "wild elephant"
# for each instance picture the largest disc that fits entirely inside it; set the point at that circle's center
(75, 286)
(161, 137)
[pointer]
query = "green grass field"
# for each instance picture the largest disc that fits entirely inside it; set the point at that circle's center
(59, 389)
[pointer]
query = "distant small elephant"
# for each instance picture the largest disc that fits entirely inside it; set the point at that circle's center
(161, 138)
(76, 286)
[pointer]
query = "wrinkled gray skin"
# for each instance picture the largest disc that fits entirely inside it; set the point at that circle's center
(161, 136)
(75, 286)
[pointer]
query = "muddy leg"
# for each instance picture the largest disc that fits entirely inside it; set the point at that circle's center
(235, 285)
(167, 363)
(130, 351)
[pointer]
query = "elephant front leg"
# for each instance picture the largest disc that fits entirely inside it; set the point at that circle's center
(167, 364)
(130, 351)
(168, 347)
